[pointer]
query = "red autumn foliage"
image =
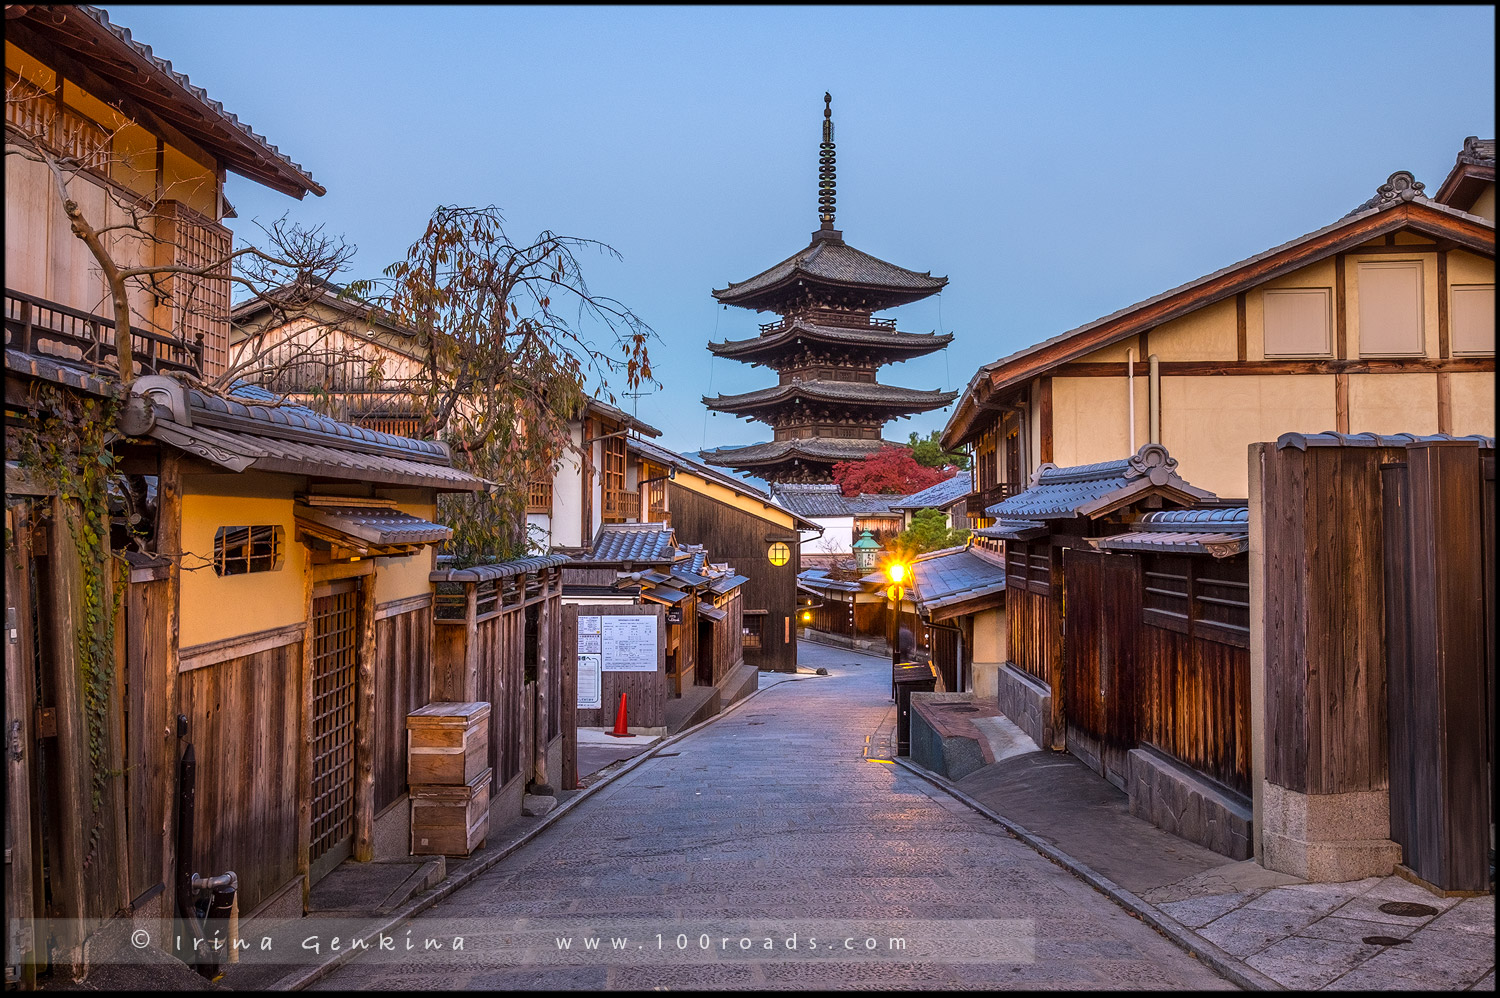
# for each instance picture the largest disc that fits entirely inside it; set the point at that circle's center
(890, 470)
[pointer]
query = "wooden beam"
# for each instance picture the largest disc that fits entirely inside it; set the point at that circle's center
(1444, 403)
(1340, 310)
(1241, 334)
(1341, 402)
(1361, 365)
(1444, 334)
(1399, 248)
(1045, 421)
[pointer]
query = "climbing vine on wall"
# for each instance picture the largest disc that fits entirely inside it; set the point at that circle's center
(65, 448)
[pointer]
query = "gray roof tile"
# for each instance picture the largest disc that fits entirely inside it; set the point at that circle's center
(648, 543)
(843, 392)
(939, 496)
(955, 575)
(1083, 490)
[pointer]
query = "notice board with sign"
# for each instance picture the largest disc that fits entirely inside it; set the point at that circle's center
(624, 646)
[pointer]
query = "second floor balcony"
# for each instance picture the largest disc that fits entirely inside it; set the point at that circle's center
(36, 326)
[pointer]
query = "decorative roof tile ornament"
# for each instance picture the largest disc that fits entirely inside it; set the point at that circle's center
(1401, 186)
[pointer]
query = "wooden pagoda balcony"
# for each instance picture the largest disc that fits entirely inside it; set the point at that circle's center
(975, 503)
(829, 319)
(36, 326)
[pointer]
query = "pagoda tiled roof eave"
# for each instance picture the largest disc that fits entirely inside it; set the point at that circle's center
(815, 449)
(856, 393)
(835, 264)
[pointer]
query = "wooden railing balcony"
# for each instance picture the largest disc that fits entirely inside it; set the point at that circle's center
(621, 505)
(977, 502)
(829, 319)
(37, 326)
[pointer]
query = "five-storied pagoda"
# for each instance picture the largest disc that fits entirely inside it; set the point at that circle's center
(826, 348)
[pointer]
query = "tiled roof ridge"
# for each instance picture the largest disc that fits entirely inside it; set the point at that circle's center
(241, 406)
(836, 391)
(873, 336)
(99, 15)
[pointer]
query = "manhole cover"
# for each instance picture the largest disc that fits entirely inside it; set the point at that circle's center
(1385, 941)
(1408, 909)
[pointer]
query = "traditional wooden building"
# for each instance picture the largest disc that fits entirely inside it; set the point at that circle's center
(1127, 605)
(827, 349)
(745, 528)
(320, 346)
(1383, 321)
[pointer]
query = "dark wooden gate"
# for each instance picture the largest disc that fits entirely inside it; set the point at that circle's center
(1102, 597)
(335, 660)
(1439, 669)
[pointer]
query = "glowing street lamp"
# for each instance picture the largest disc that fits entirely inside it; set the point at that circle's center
(898, 572)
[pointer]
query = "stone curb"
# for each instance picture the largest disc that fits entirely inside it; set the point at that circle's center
(307, 976)
(1223, 963)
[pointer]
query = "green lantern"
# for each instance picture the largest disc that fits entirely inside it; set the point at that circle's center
(865, 550)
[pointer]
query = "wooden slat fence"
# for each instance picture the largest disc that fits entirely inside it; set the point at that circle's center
(402, 677)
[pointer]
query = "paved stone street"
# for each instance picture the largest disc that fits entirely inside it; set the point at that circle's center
(769, 827)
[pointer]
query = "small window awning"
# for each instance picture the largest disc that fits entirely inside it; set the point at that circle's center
(711, 612)
(368, 531)
(664, 594)
(1016, 530)
(722, 586)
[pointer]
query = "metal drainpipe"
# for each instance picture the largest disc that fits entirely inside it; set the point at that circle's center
(1153, 398)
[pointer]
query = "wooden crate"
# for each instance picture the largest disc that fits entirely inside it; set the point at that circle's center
(448, 820)
(447, 744)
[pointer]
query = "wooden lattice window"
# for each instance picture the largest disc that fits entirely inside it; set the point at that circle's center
(1205, 597)
(335, 662)
(200, 305)
(750, 631)
(240, 550)
(613, 477)
(539, 496)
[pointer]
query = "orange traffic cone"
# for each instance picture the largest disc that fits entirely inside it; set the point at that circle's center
(621, 731)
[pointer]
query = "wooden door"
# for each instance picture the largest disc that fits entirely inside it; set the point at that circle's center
(1102, 597)
(335, 666)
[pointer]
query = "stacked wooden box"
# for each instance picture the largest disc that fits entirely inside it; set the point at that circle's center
(448, 775)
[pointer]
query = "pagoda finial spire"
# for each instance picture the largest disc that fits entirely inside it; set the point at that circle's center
(827, 186)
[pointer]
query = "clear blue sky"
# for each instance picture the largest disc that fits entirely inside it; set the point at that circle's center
(1056, 164)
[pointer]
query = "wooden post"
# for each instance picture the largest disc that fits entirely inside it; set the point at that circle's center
(169, 546)
(544, 705)
(1340, 310)
(470, 691)
(20, 747)
(74, 812)
(304, 747)
(1341, 402)
(569, 664)
(117, 829)
(364, 728)
(1447, 694)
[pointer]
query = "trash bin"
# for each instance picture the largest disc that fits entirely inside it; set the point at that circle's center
(909, 678)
